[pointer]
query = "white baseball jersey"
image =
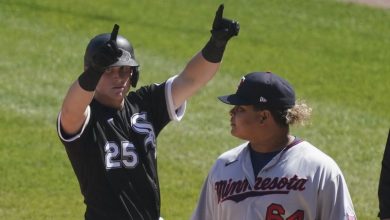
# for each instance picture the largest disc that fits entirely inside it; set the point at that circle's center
(300, 182)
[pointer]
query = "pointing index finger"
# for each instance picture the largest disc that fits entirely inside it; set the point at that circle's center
(220, 10)
(114, 32)
(218, 15)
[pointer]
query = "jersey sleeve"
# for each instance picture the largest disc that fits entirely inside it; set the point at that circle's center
(65, 138)
(206, 204)
(157, 100)
(335, 201)
(174, 114)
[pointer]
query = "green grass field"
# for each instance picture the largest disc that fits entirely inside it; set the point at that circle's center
(335, 54)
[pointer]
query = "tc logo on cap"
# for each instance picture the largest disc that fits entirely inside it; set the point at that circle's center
(241, 82)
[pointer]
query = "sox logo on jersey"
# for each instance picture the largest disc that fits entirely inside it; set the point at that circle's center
(141, 125)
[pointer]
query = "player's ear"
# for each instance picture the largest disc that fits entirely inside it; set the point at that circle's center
(263, 115)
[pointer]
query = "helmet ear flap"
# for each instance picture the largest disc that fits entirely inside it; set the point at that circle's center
(135, 76)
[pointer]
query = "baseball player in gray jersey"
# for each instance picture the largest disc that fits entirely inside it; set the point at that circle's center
(274, 175)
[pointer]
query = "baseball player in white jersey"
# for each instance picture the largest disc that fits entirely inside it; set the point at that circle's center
(274, 175)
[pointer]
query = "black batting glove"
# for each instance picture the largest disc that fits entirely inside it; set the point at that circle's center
(104, 56)
(222, 30)
(108, 53)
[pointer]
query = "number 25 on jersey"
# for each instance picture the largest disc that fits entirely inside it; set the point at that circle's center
(120, 156)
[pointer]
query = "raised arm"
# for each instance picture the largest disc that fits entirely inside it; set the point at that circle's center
(204, 65)
(81, 92)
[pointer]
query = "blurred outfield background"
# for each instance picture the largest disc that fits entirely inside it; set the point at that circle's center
(335, 54)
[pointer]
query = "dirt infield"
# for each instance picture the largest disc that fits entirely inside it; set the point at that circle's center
(373, 3)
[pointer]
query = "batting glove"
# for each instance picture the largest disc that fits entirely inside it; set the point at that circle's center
(222, 30)
(105, 55)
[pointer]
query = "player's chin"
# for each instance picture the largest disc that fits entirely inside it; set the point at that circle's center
(118, 96)
(233, 131)
(236, 133)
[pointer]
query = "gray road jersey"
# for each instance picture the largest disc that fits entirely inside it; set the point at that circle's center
(301, 182)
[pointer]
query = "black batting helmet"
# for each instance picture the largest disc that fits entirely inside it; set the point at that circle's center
(127, 58)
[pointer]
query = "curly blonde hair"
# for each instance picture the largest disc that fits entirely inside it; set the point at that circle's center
(299, 114)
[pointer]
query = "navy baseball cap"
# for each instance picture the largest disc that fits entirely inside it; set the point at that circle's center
(263, 89)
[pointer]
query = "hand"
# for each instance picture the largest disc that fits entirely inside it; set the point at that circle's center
(223, 29)
(105, 55)
(108, 53)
